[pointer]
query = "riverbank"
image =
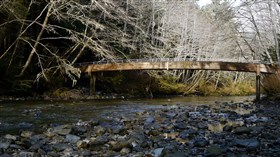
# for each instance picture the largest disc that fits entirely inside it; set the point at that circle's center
(220, 129)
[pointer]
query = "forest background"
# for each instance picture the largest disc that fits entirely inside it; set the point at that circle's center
(41, 41)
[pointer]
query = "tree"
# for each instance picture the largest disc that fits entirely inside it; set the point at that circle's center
(259, 27)
(64, 32)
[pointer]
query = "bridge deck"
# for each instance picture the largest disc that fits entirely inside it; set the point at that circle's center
(177, 65)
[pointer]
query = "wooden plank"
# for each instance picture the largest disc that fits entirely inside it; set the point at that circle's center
(194, 65)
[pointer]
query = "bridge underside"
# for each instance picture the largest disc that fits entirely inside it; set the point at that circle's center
(192, 65)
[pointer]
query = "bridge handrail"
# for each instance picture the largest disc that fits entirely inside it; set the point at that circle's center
(167, 60)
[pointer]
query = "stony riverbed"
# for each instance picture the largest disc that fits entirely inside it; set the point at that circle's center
(223, 129)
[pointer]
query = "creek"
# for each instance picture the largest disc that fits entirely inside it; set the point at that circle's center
(38, 115)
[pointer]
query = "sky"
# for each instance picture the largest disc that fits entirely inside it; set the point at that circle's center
(202, 3)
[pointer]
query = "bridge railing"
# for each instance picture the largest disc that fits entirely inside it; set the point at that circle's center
(167, 60)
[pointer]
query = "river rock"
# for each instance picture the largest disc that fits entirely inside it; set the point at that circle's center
(82, 144)
(252, 118)
(26, 154)
(40, 138)
(41, 152)
(202, 125)
(60, 147)
(100, 140)
(171, 115)
(119, 129)
(194, 114)
(139, 154)
(174, 153)
(79, 130)
(15, 146)
(53, 154)
(200, 142)
(214, 150)
(242, 130)
(150, 120)
(122, 144)
(256, 130)
(25, 125)
(4, 144)
(125, 151)
(85, 153)
(68, 152)
(10, 137)
(72, 138)
(26, 134)
(62, 129)
(264, 119)
(157, 152)
(6, 155)
(153, 132)
(185, 134)
(99, 130)
(35, 147)
(180, 125)
(251, 143)
(49, 133)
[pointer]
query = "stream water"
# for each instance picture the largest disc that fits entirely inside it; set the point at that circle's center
(38, 115)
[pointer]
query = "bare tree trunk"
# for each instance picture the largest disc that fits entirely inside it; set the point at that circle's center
(260, 38)
(274, 32)
(20, 32)
(44, 25)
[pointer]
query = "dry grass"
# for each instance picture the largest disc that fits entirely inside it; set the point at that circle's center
(239, 89)
(271, 84)
(228, 89)
(169, 87)
(65, 93)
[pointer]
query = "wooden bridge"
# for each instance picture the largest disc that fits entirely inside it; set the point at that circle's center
(178, 64)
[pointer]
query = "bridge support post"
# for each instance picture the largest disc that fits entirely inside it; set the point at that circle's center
(258, 84)
(92, 81)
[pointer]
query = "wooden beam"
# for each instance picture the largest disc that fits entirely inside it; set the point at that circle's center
(92, 81)
(258, 84)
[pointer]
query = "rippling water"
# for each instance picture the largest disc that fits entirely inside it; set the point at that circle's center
(35, 115)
